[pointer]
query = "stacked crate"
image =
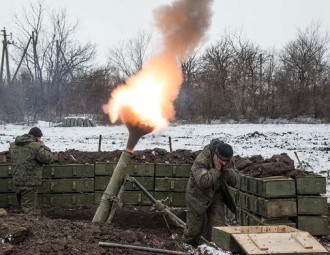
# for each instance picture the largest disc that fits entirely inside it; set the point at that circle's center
(7, 187)
(144, 173)
(71, 184)
(266, 201)
(171, 182)
(312, 206)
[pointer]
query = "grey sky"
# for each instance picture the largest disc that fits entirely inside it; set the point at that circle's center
(269, 23)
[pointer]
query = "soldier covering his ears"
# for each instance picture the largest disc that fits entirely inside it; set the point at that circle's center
(207, 191)
(28, 153)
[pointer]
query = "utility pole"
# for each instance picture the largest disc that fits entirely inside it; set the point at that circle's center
(4, 57)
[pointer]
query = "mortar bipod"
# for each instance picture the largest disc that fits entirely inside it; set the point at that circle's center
(164, 209)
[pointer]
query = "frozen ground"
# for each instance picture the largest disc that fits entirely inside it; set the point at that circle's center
(310, 141)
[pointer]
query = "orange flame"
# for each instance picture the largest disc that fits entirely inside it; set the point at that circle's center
(147, 98)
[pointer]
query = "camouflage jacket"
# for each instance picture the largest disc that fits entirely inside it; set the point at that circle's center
(28, 156)
(205, 181)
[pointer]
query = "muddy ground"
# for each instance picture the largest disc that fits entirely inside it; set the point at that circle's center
(69, 230)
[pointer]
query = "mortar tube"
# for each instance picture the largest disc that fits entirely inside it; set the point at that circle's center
(103, 210)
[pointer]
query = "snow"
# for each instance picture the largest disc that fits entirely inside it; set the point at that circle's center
(309, 141)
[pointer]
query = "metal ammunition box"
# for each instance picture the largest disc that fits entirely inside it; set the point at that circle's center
(312, 205)
(67, 199)
(171, 198)
(68, 171)
(6, 171)
(311, 185)
(133, 169)
(101, 183)
(315, 225)
(171, 184)
(67, 185)
(171, 170)
(7, 185)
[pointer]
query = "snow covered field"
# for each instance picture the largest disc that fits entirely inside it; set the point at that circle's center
(310, 141)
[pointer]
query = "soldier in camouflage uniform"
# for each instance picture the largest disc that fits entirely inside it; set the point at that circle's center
(207, 191)
(28, 154)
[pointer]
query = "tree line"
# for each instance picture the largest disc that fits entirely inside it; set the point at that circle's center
(233, 78)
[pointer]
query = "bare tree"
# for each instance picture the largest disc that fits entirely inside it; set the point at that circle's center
(54, 58)
(305, 68)
(128, 57)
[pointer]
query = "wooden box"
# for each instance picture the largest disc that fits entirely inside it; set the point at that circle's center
(278, 239)
(311, 185)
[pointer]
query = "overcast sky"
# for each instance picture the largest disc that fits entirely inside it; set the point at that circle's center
(269, 23)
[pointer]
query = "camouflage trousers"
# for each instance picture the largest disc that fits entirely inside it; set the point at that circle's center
(27, 199)
(201, 225)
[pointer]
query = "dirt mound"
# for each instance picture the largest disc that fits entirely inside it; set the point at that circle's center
(69, 230)
(255, 165)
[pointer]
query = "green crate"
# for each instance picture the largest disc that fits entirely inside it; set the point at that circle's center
(171, 184)
(6, 171)
(101, 182)
(135, 198)
(104, 168)
(275, 187)
(311, 185)
(67, 199)
(67, 185)
(172, 170)
(8, 199)
(251, 219)
(176, 199)
(68, 171)
(234, 193)
(133, 169)
(312, 205)
(128, 197)
(7, 185)
(315, 225)
(276, 208)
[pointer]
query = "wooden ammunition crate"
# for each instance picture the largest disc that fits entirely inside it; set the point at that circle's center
(8, 199)
(171, 184)
(251, 219)
(311, 185)
(171, 198)
(7, 185)
(269, 187)
(68, 171)
(6, 171)
(135, 169)
(67, 199)
(128, 197)
(266, 207)
(104, 168)
(171, 170)
(315, 225)
(67, 185)
(312, 205)
(101, 183)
